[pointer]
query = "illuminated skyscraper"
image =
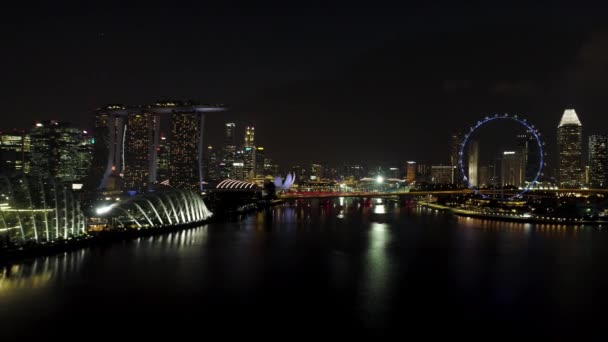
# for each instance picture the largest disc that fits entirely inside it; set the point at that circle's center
(60, 150)
(248, 163)
(512, 170)
(260, 157)
(163, 154)
(184, 138)
(441, 174)
(230, 134)
(570, 143)
(140, 162)
(456, 140)
(410, 172)
(473, 162)
(14, 152)
(184, 160)
(598, 161)
(316, 172)
(212, 167)
(249, 137)
(108, 149)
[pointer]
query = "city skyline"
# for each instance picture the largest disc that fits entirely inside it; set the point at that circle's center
(358, 86)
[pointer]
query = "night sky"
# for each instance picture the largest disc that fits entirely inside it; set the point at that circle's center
(321, 83)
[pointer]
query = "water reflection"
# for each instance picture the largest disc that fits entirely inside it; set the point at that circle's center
(348, 257)
(40, 272)
(375, 279)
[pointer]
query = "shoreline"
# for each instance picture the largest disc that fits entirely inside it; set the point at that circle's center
(511, 218)
(90, 239)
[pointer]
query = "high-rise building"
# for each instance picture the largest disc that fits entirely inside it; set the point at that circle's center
(527, 146)
(410, 172)
(14, 152)
(108, 149)
(456, 140)
(212, 166)
(183, 161)
(182, 158)
(487, 176)
(512, 169)
(230, 134)
(270, 168)
(60, 150)
(441, 174)
(163, 155)
(570, 144)
(248, 163)
(316, 171)
(598, 161)
(260, 157)
(473, 162)
(141, 149)
(249, 137)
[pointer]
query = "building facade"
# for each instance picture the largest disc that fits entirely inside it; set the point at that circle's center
(60, 150)
(441, 174)
(570, 144)
(473, 162)
(598, 161)
(14, 152)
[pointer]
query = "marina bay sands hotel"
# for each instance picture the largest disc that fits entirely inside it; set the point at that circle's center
(127, 141)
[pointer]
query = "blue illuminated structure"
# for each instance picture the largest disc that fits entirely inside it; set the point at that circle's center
(530, 128)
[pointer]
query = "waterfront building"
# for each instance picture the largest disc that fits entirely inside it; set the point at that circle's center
(473, 162)
(410, 172)
(14, 152)
(60, 150)
(249, 137)
(441, 174)
(570, 144)
(598, 161)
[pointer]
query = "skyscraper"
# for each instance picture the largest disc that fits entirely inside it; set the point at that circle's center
(141, 150)
(248, 162)
(473, 162)
(486, 176)
(512, 171)
(598, 161)
(249, 137)
(570, 143)
(527, 146)
(260, 157)
(230, 134)
(212, 166)
(183, 168)
(456, 140)
(14, 152)
(185, 142)
(410, 172)
(229, 152)
(163, 155)
(441, 174)
(60, 150)
(108, 149)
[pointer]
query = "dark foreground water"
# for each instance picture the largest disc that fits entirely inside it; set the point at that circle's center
(317, 269)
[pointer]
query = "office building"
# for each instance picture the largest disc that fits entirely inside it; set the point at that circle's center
(598, 161)
(60, 150)
(473, 162)
(249, 137)
(441, 174)
(410, 172)
(14, 152)
(570, 144)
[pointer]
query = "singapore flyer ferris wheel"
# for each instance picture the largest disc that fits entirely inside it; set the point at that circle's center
(528, 127)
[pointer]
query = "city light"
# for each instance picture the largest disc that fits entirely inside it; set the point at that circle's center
(103, 210)
(379, 179)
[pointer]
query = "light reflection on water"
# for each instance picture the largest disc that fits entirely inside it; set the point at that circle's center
(360, 259)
